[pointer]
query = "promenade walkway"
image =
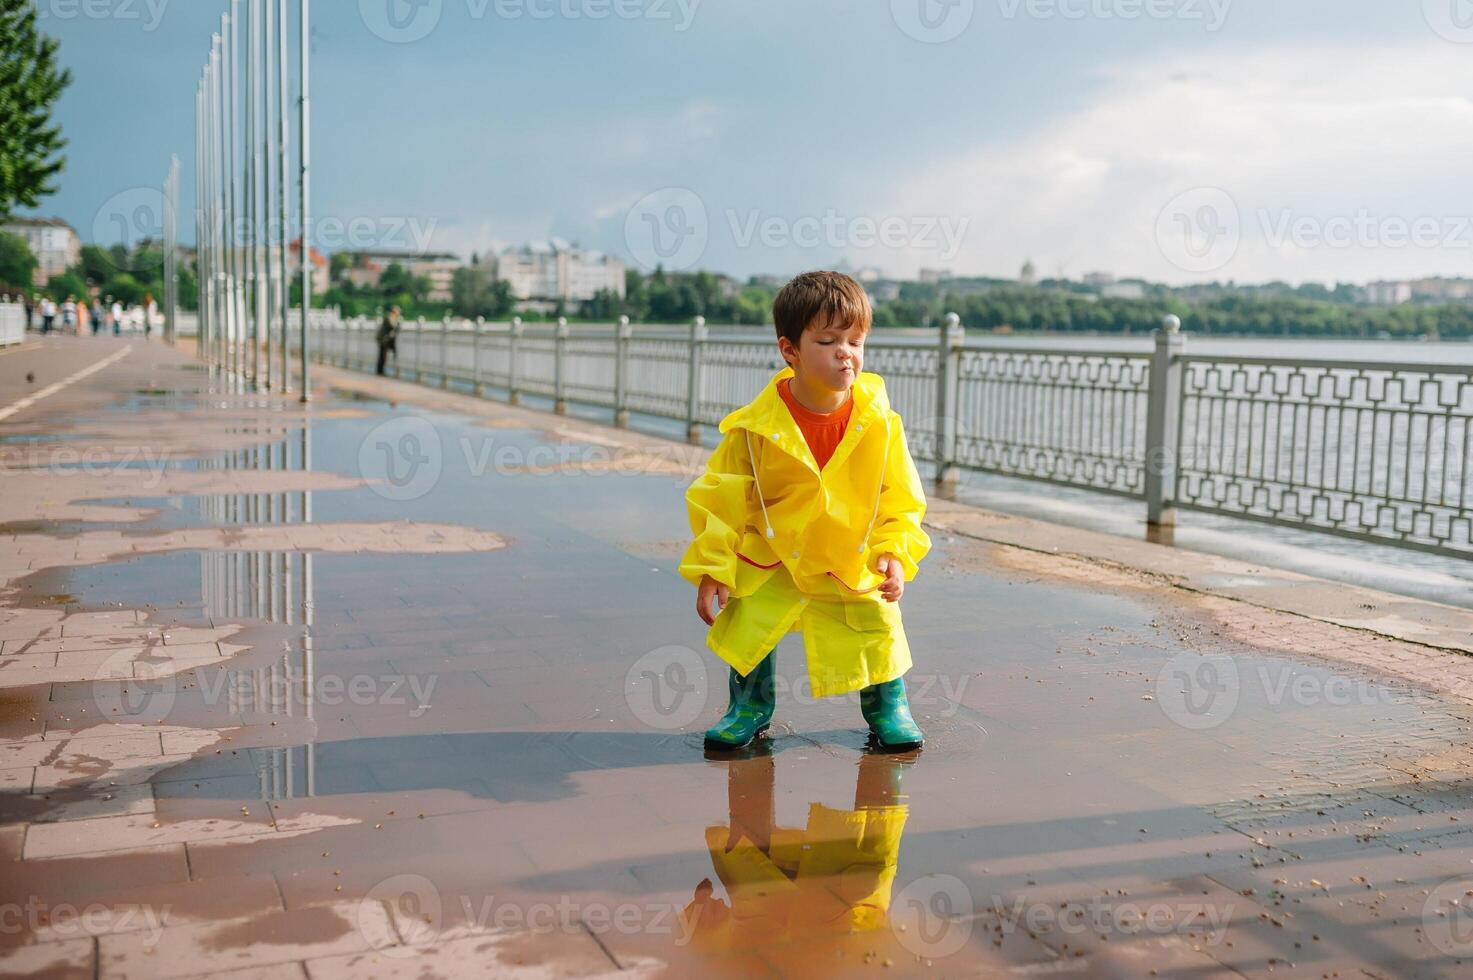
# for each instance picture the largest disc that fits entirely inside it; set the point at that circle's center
(404, 684)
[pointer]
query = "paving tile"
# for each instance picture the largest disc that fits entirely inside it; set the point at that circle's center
(248, 942)
(500, 954)
(105, 834)
(73, 959)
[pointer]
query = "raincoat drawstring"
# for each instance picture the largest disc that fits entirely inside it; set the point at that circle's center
(758, 481)
(879, 490)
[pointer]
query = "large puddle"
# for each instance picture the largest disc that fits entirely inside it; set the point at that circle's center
(500, 733)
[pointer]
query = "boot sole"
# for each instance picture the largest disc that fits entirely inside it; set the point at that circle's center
(886, 748)
(714, 743)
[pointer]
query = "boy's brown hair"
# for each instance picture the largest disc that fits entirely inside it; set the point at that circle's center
(834, 296)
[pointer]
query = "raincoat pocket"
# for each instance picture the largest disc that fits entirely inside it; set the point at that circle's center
(872, 616)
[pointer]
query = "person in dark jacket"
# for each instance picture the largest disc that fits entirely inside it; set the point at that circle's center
(388, 337)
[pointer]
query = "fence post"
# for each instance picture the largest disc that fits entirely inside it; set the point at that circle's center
(445, 351)
(693, 381)
(559, 346)
(952, 337)
(621, 372)
(419, 338)
(479, 328)
(513, 397)
(1163, 423)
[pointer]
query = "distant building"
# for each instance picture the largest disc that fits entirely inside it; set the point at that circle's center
(543, 274)
(933, 275)
(1387, 293)
(1123, 290)
(53, 242)
(1029, 275)
(869, 273)
(438, 267)
(1441, 290)
(321, 280)
(1099, 279)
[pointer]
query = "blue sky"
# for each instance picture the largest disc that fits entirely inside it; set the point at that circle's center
(1180, 140)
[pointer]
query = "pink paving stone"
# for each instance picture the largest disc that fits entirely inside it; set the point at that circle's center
(493, 954)
(73, 958)
(248, 941)
(105, 834)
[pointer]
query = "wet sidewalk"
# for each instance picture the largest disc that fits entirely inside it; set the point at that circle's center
(405, 684)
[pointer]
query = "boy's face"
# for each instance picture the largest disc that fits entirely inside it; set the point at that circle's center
(827, 356)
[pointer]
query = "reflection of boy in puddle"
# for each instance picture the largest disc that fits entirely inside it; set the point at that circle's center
(834, 875)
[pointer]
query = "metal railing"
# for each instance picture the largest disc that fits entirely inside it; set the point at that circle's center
(12, 324)
(1374, 451)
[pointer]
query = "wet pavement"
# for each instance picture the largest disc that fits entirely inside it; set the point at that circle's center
(375, 688)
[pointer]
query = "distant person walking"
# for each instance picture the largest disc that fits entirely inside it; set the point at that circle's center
(388, 338)
(95, 315)
(48, 315)
(69, 314)
(117, 313)
(30, 302)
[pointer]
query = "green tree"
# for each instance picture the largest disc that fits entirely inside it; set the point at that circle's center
(30, 83)
(397, 285)
(17, 264)
(69, 283)
(125, 289)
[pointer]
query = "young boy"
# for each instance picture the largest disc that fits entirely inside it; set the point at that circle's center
(808, 519)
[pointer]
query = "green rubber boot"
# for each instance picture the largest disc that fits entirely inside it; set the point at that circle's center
(888, 713)
(750, 712)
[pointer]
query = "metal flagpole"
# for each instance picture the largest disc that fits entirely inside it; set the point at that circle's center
(283, 232)
(253, 142)
(199, 220)
(217, 181)
(237, 264)
(227, 133)
(269, 268)
(305, 123)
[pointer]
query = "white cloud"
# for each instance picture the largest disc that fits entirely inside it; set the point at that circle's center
(1348, 131)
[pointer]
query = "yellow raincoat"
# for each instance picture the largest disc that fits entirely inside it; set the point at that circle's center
(799, 547)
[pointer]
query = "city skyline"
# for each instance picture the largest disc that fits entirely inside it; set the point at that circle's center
(1284, 141)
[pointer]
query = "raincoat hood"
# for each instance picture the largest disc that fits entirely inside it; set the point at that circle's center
(768, 413)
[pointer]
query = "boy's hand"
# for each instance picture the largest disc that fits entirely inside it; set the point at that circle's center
(710, 588)
(894, 585)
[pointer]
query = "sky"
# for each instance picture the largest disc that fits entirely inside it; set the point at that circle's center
(1174, 140)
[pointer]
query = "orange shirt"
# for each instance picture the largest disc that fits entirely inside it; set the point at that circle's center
(823, 433)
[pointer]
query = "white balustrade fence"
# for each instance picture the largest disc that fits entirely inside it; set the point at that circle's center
(1375, 451)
